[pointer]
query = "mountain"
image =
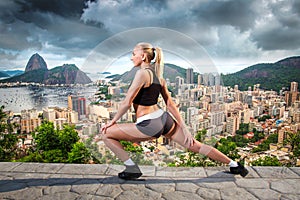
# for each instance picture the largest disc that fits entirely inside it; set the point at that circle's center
(13, 72)
(36, 71)
(67, 74)
(270, 76)
(36, 62)
(3, 74)
(170, 72)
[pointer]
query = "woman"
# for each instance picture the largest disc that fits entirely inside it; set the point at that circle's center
(152, 122)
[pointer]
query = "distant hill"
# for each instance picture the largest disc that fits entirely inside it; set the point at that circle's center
(67, 74)
(13, 72)
(3, 74)
(170, 72)
(270, 76)
(36, 71)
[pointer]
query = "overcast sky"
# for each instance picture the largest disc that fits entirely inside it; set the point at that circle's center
(233, 34)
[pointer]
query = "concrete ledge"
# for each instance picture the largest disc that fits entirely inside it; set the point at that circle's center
(79, 181)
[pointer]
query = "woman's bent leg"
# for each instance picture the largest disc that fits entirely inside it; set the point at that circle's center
(117, 132)
(127, 132)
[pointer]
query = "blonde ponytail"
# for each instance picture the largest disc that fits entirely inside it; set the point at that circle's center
(159, 62)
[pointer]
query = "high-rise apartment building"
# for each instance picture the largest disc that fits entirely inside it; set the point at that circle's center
(29, 120)
(292, 95)
(232, 124)
(190, 76)
(78, 104)
(294, 87)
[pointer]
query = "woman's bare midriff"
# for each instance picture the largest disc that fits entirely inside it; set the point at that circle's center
(144, 110)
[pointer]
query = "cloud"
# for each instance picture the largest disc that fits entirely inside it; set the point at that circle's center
(69, 30)
(279, 26)
(47, 27)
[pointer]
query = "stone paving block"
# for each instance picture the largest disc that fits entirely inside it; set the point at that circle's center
(26, 193)
(187, 186)
(286, 186)
(24, 177)
(252, 183)
(180, 195)
(218, 172)
(93, 197)
(161, 187)
(236, 193)
(114, 169)
(148, 170)
(252, 173)
(8, 166)
(85, 186)
(59, 195)
(111, 191)
(6, 176)
(180, 172)
(133, 191)
(265, 194)
(296, 170)
(46, 168)
(57, 189)
(278, 172)
(217, 183)
(30, 167)
(289, 197)
(207, 193)
(82, 169)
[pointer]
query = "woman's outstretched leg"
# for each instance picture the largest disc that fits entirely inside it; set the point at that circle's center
(181, 135)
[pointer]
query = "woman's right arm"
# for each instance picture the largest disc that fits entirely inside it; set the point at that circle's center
(171, 106)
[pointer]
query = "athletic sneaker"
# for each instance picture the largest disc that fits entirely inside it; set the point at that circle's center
(131, 172)
(240, 169)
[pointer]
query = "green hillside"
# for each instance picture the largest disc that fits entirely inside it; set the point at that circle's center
(270, 76)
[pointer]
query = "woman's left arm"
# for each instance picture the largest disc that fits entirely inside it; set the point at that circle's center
(137, 83)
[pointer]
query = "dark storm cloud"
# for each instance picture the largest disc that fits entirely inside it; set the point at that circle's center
(282, 29)
(32, 24)
(72, 28)
(237, 13)
(66, 8)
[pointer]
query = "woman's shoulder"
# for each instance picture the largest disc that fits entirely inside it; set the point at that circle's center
(141, 72)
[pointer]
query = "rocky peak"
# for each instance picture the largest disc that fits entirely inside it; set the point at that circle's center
(36, 62)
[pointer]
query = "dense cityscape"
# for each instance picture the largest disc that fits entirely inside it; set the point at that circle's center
(253, 126)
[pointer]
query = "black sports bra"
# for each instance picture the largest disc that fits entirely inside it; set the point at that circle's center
(148, 96)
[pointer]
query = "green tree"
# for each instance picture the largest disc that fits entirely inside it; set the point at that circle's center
(93, 148)
(244, 129)
(200, 136)
(67, 138)
(54, 146)
(8, 140)
(46, 137)
(266, 144)
(266, 161)
(293, 139)
(79, 154)
(229, 149)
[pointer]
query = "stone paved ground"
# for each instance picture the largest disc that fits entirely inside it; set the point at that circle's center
(75, 181)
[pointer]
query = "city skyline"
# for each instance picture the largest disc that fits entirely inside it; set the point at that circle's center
(234, 34)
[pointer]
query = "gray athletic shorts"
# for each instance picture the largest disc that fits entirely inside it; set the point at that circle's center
(154, 126)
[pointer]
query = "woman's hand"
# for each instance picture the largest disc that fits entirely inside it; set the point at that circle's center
(106, 126)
